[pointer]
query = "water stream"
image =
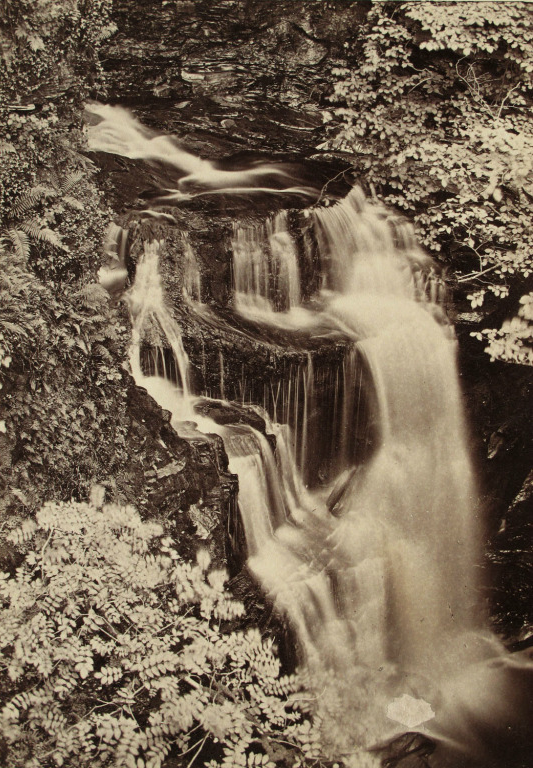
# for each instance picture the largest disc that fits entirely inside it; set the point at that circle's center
(371, 553)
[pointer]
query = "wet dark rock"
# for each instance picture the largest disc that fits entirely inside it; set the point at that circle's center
(511, 563)
(182, 482)
(499, 401)
(224, 413)
(410, 750)
(198, 59)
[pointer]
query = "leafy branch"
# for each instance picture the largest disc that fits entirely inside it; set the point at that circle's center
(85, 621)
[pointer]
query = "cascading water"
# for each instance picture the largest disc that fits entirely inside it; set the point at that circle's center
(392, 581)
(151, 319)
(270, 489)
(376, 567)
(265, 267)
(119, 133)
(418, 485)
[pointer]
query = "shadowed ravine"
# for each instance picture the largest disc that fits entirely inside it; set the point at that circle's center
(372, 549)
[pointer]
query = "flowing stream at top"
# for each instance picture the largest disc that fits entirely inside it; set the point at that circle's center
(119, 133)
(376, 567)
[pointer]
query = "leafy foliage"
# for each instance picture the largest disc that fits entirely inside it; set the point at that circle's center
(48, 48)
(46, 220)
(514, 340)
(436, 104)
(114, 652)
(61, 341)
(66, 346)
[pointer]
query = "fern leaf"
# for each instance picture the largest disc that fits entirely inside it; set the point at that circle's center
(20, 242)
(73, 202)
(34, 229)
(70, 182)
(6, 148)
(52, 238)
(31, 198)
(92, 296)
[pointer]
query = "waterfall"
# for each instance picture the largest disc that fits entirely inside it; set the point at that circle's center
(362, 525)
(265, 267)
(118, 132)
(389, 584)
(152, 321)
(271, 492)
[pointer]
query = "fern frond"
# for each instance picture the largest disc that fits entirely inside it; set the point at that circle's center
(34, 229)
(54, 179)
(20, 242)
(70, 182)
(31, 198)
(6, 148)
(73, 202)
(92, 296)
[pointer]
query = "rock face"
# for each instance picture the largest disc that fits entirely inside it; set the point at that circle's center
(196, 60)
(184, 483)
(500, 408)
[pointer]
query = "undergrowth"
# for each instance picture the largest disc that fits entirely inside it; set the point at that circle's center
(116, 652)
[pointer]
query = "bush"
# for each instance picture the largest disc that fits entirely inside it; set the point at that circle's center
(436, 106)
(116, 652)
(61, 383)
(62, 342)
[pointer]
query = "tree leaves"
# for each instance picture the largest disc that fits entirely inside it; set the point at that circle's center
(113, 622)
(437, 93)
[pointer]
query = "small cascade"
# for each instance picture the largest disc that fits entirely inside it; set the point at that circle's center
(262, 500)
(319, 399)
(265, 267)
(192, 279)
(362, 250)
(113, 274)
(284, 260)
(118, 132)
(153, 323)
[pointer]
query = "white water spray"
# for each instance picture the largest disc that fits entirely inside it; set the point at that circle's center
(120, 133)
(383, 594)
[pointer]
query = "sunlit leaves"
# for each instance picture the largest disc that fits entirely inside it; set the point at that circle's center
(513, 342)
(437, 96)
(121, 641)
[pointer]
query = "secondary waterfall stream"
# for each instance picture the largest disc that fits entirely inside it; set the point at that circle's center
(362, 524)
